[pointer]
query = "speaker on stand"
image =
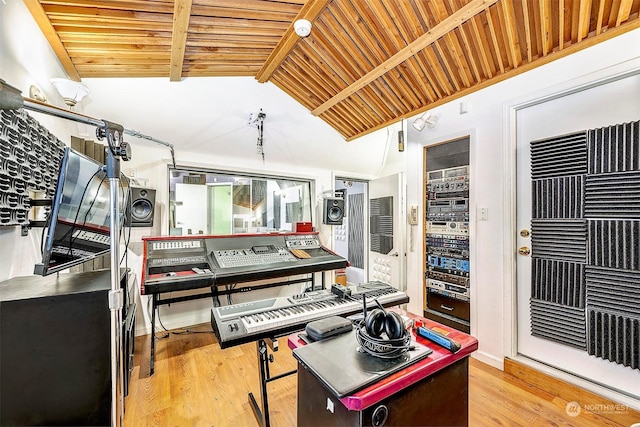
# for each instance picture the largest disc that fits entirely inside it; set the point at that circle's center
(140, 211)
(333, 211)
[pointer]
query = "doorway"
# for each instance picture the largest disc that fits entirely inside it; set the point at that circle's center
(372, 233)
(350, 238)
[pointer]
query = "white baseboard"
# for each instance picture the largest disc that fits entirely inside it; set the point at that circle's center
(489, 359)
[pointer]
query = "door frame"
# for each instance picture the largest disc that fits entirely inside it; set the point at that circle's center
(510, 308)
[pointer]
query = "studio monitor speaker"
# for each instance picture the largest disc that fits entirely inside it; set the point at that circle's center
(333, 211)
(141, 209)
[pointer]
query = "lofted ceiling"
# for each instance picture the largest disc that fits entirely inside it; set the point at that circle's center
(366, 63)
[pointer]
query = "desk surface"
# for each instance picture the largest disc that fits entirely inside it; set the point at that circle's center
(439, 359)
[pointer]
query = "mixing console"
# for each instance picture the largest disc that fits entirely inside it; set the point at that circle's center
(162, 262)
(252, 257)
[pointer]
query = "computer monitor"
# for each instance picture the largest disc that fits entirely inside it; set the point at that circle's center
(78, 227)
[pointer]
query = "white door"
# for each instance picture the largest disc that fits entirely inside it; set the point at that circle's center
(191, 212)
(220, 208)
(613, 103)
(387, 260)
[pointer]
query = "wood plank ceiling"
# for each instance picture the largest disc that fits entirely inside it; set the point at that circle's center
(366, 63)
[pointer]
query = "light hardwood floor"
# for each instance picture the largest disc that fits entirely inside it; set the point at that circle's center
(196, 383)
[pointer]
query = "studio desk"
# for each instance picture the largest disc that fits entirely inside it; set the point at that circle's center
(432, 391)
(179, 263)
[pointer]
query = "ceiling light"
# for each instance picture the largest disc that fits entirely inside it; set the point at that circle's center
(72, 92)
(302, 27)
(427, 119)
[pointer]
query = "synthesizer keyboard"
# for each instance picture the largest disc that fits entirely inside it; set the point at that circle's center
(246, 322)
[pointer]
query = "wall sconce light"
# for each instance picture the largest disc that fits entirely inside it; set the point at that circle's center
(427, 119)
(71, 92)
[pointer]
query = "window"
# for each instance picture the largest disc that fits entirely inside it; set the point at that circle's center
(220, 202)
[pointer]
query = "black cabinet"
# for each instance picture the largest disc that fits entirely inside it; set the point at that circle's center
(441, 399)
(55, 355)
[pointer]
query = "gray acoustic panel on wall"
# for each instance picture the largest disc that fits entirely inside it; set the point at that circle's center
(558, 282)
(614, 244)
(558, 197)
(29, 160)
(614, 337)
(613, 195)
(381, 224)
(613, 290)
(585, 239)
(556, 322)
(614, 148)
(559, 239)
(356, 230)
(559, 156)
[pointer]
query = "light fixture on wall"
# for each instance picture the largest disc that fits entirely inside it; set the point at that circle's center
(72, 92)
(427, 119)
(401, 137)
(36, 93)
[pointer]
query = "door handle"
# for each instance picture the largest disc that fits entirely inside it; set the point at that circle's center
(524, 250)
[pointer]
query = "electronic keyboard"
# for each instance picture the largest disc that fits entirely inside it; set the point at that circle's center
(269, 318)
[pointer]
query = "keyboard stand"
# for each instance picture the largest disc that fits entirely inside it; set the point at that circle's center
(157, 301)
(262, 412)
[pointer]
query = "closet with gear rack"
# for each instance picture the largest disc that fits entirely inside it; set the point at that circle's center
(446, 233)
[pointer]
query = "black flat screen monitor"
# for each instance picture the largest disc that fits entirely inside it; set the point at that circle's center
(78, 228)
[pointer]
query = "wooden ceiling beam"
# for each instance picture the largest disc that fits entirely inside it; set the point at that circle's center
(483, 46)
(509, 22)
(584, 19)
(624, 11)
(181, 14)
(310, 12)
(456, 19)
(467, 45)
(561, 24)
(50, 34)
(137, 5)
(545, 27)
(600, 18)
(494, 40)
